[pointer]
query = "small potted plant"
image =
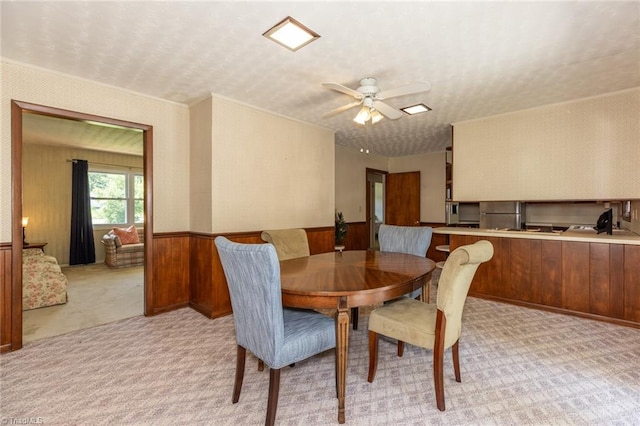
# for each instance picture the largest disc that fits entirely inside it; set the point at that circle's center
(341, 231)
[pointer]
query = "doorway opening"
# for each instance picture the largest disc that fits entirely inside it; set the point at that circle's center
(375, 205)
(18, 111)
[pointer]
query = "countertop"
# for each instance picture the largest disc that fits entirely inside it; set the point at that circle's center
(587, 236)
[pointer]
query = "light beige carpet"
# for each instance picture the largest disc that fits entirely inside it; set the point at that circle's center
(96, 295)
(519, 367)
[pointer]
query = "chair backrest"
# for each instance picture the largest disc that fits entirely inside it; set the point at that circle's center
(253, 278)
(454, 283)
(405, 239)
(289, 243)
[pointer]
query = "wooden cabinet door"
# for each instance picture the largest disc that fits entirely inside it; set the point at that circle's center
(632, 283)
(606, 279)
(575, 276)
(550, 292)
(402, 199)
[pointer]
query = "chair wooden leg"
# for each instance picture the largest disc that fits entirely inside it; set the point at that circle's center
(336, 372)
(260, 365)
(272, 404)
(438, 358)
(400, 348)
(354, 318)
(240, 357)
(373, 355)
(456, 361)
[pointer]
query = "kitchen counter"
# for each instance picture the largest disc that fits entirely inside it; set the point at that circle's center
(576, 272)
(620, 236)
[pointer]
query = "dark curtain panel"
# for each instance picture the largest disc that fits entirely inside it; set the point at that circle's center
(82, 250)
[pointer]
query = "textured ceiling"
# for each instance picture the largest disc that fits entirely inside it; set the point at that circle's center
(45, 130)
(481, 58)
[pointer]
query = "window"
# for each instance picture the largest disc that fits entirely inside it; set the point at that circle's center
(117, 198)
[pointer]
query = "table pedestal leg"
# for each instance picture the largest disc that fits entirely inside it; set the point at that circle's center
(342, 342)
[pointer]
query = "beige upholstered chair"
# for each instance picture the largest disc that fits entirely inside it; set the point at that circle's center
(289, 243)
(436, 327)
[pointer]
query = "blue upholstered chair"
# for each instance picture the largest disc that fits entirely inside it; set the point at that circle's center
(405, 239)
(290, 243)
(274, 334)
(402, 239)
(432, 326)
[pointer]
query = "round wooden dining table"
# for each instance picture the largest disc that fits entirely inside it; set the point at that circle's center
(349, 279)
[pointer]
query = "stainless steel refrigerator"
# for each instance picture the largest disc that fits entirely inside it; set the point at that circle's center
(502, 215)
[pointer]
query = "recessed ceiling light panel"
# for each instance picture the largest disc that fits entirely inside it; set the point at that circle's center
(291, 34)
(416, 109)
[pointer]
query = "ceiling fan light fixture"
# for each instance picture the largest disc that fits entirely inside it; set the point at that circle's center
(416, 109)
(291, 34)
(363, 116)
(376, 116)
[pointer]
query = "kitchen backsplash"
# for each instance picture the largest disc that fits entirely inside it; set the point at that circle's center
(565, 214)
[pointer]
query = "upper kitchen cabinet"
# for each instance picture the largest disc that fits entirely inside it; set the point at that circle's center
(582, 150)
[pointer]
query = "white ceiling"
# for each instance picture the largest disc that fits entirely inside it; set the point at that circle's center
(481, 58)
(46, 130)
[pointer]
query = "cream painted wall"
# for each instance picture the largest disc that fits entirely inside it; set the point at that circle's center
(170, 123)
(432, 182)
(46, 194)
(200, 166)
(269, 171)
(351, 181)
(582, 150)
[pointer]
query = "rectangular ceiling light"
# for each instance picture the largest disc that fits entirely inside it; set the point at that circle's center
(291, 34)
(416, 109)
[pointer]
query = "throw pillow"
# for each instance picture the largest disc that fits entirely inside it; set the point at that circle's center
(127, 235)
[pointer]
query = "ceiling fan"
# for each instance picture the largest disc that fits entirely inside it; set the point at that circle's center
(371, 98)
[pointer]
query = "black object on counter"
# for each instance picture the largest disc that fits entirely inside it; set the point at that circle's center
(605, 223)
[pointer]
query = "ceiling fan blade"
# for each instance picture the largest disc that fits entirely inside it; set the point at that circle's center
(408, 89)
(343, 89)
(386, 110)
(341, 109)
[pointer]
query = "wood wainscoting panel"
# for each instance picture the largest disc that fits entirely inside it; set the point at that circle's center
(357, 236)
(5, 298)
(201, 267)
(606, 279)
(593, 280)
(616, 280)
(518, 285)
(170, 273)
(575, 276)
(437, 240)
(321, 240)
(550, 274)
(209, 294)
(632, 283)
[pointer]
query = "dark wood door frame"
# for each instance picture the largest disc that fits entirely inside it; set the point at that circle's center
(17, 109)
(368, 200)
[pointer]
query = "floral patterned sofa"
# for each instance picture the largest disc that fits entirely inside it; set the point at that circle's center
(43, 283)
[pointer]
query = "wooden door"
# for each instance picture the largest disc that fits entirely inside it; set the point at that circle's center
(402, 199)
